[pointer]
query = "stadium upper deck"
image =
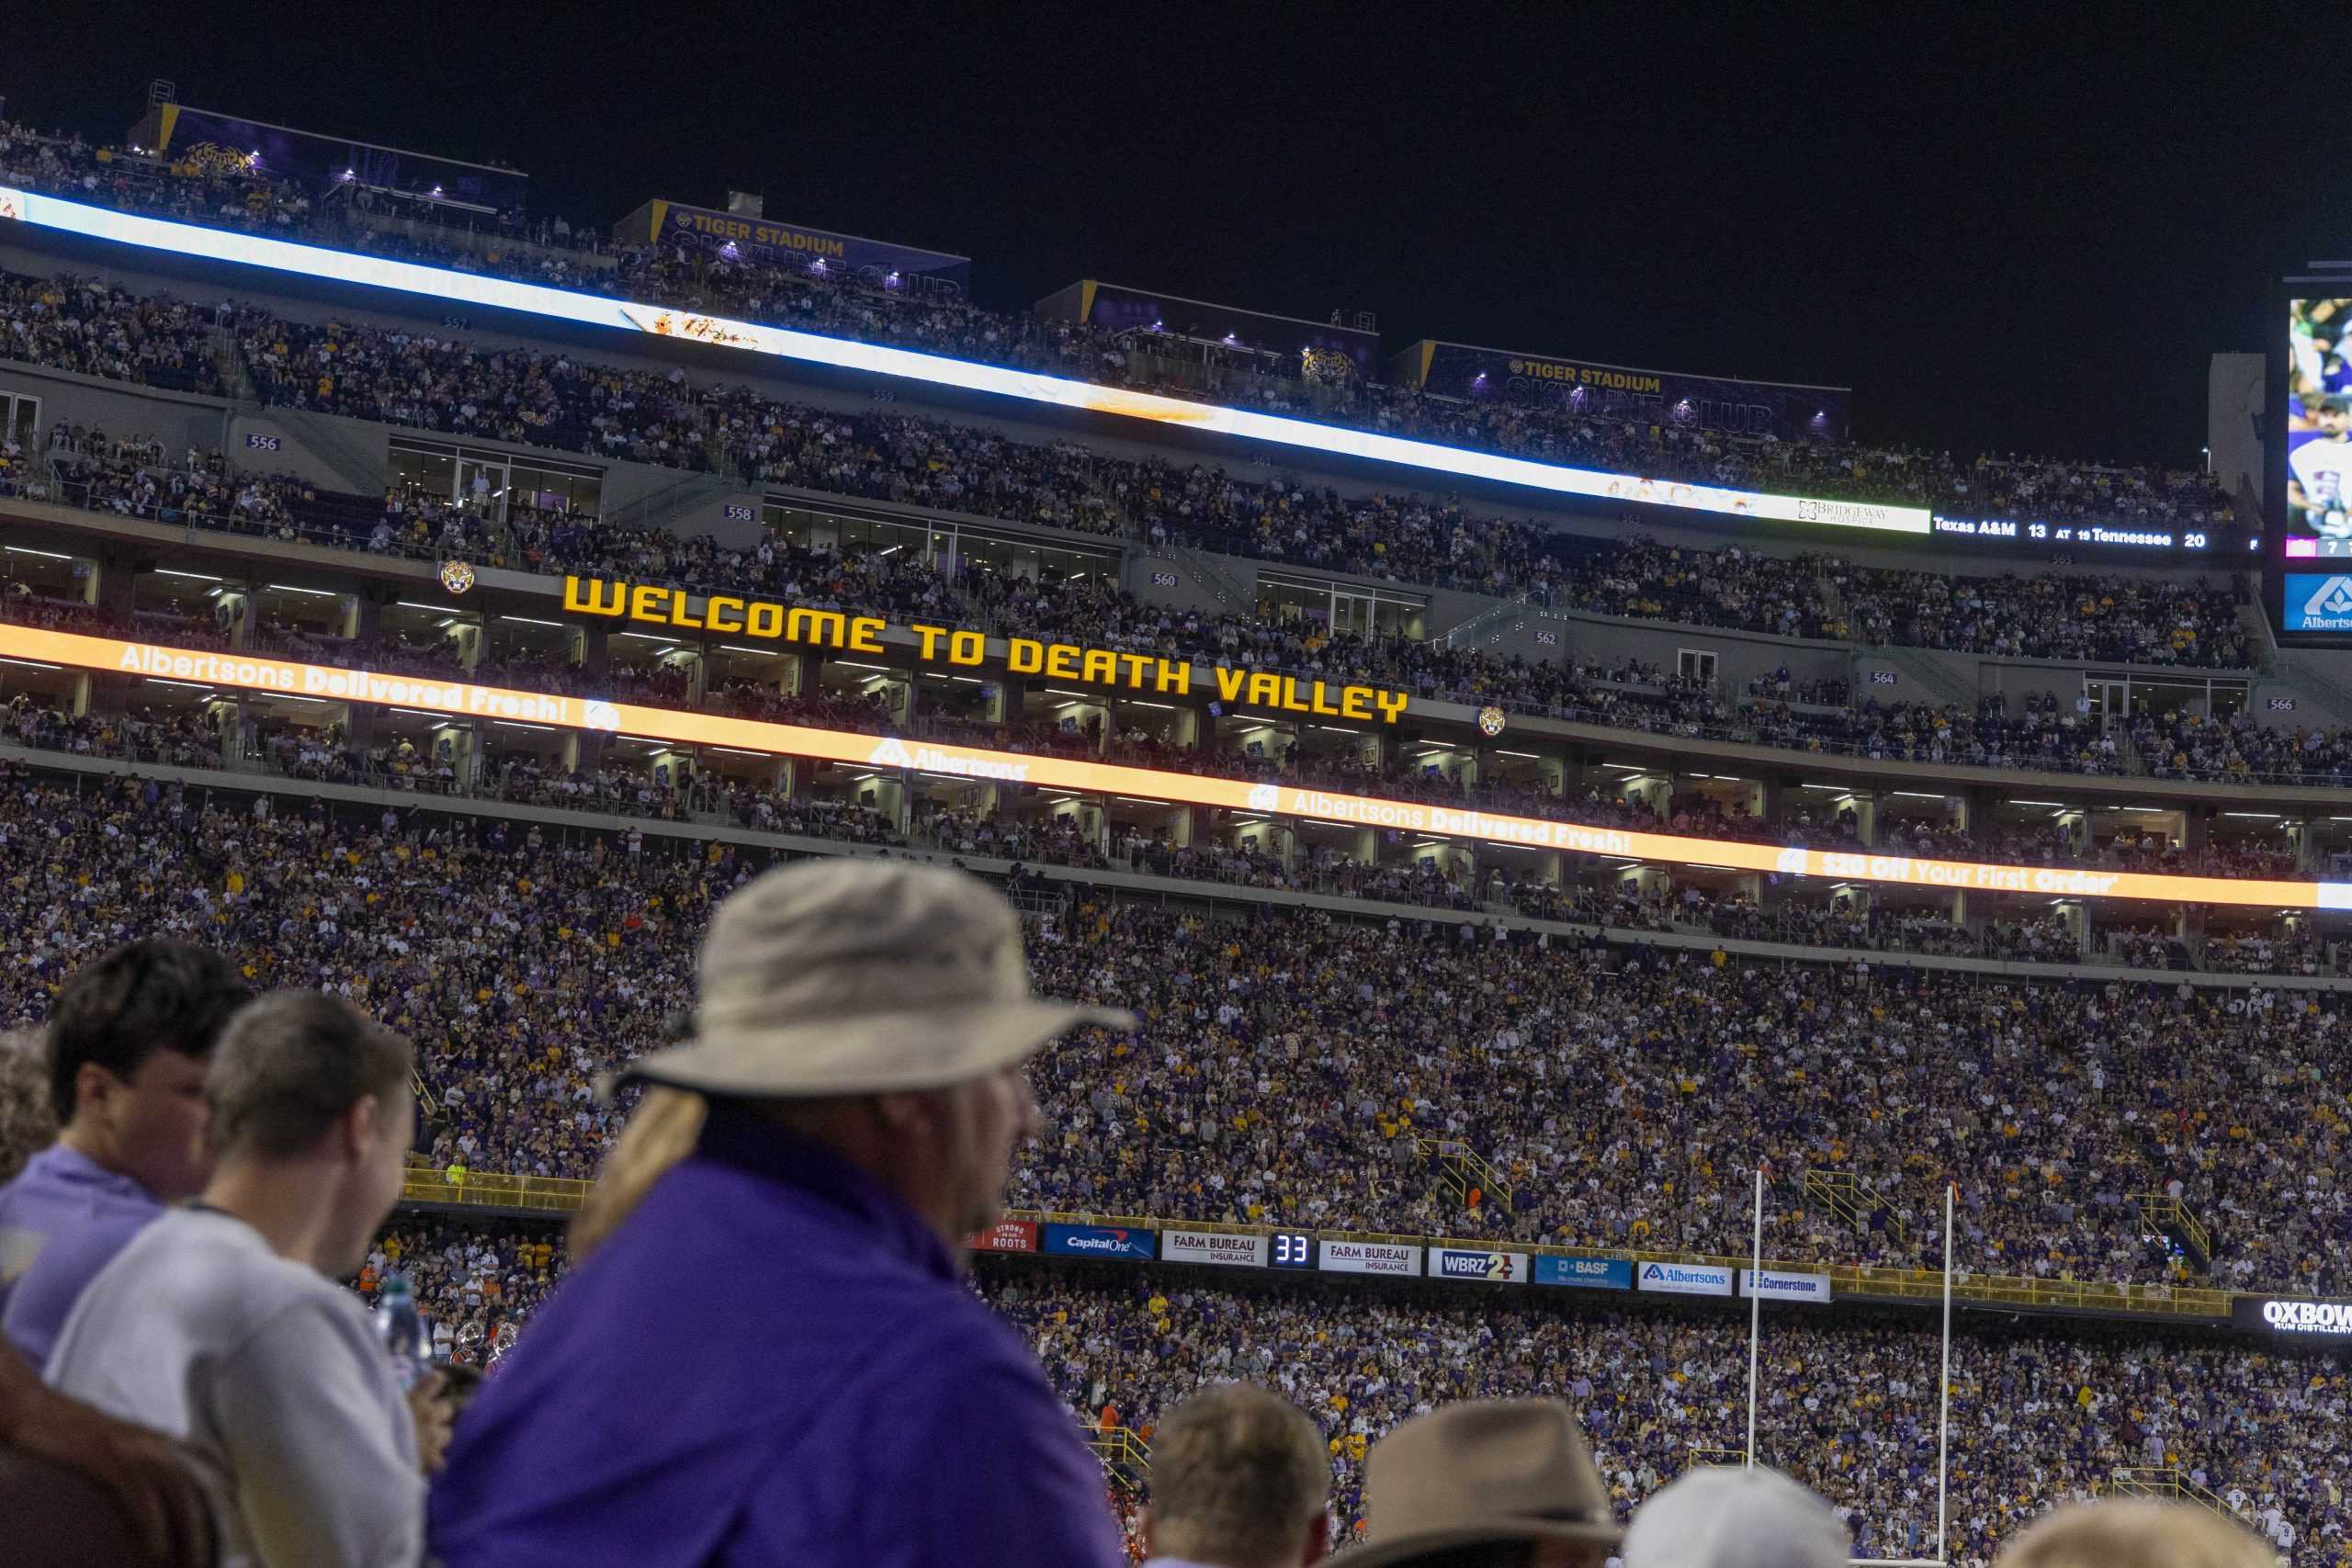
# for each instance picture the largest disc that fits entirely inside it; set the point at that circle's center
(1782, 684)
(1663, 461)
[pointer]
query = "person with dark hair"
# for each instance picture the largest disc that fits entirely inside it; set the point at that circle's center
(1239, 1479)
(76, 1485)
(128, 1038)
(222, 1326)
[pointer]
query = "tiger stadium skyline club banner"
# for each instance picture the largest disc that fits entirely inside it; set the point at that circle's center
(779, 244)
(460, 699)
(45, 211)
(1786, 410)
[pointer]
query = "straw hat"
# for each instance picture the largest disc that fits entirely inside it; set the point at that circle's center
(1486, 1470)
(839, 976)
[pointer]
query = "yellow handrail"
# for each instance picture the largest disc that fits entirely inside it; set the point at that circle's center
(1126, 1457)
(2165, 1481)
(2160, 1209)
(485, 1189)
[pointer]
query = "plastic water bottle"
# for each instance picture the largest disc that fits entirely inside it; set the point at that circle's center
(403, 1327)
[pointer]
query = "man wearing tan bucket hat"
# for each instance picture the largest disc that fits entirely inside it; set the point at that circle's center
(1486, 1484)
(771, 1358)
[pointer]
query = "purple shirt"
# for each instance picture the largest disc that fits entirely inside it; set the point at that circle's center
(62, 1220)
(772, 1362)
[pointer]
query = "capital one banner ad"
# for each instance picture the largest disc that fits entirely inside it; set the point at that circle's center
(1369, 1257)
(1099, 1241)
(1212, 1246)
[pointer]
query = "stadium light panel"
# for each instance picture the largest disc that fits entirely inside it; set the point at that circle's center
(517, 709)
(41, 211)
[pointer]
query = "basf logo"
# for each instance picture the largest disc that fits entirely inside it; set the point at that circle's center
(1685, 1279)
(2315, 603)
(1586, 1273)
(1099, 1241)
(1493, 1267)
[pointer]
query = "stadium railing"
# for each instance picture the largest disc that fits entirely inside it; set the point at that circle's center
(485, 1190)
(551, 1195)
(1866, 1280)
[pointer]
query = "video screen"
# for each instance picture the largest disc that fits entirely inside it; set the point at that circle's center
(2319, 429)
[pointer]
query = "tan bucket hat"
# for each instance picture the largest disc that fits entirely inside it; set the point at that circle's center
(852, 976)
(1483, 1470)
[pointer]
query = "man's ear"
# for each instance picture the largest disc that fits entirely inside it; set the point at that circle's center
(1319, 1538)
(1145, 1527)
(911, 1113)
(356, 1129)
(93, 1083)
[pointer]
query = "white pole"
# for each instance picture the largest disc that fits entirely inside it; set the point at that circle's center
(1943, 1387)
(1754, 1315)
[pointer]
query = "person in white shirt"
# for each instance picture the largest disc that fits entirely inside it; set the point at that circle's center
(222, 1326)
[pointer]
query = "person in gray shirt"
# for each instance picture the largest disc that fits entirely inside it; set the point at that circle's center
(220, 1323)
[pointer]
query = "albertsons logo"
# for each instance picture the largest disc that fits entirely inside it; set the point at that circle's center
(2330, 609)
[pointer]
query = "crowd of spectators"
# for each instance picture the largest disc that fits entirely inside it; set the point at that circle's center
(424, 378)
(809, 294)
(1849, 1408)
(1245, 1097)
(473, 1285)
(2039, 1412)
(1020, 830)
(1291, 1067)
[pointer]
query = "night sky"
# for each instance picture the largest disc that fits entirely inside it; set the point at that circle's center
(2017, 232)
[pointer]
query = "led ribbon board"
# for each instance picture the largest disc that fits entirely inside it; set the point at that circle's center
(312, 261)
(461, 699)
